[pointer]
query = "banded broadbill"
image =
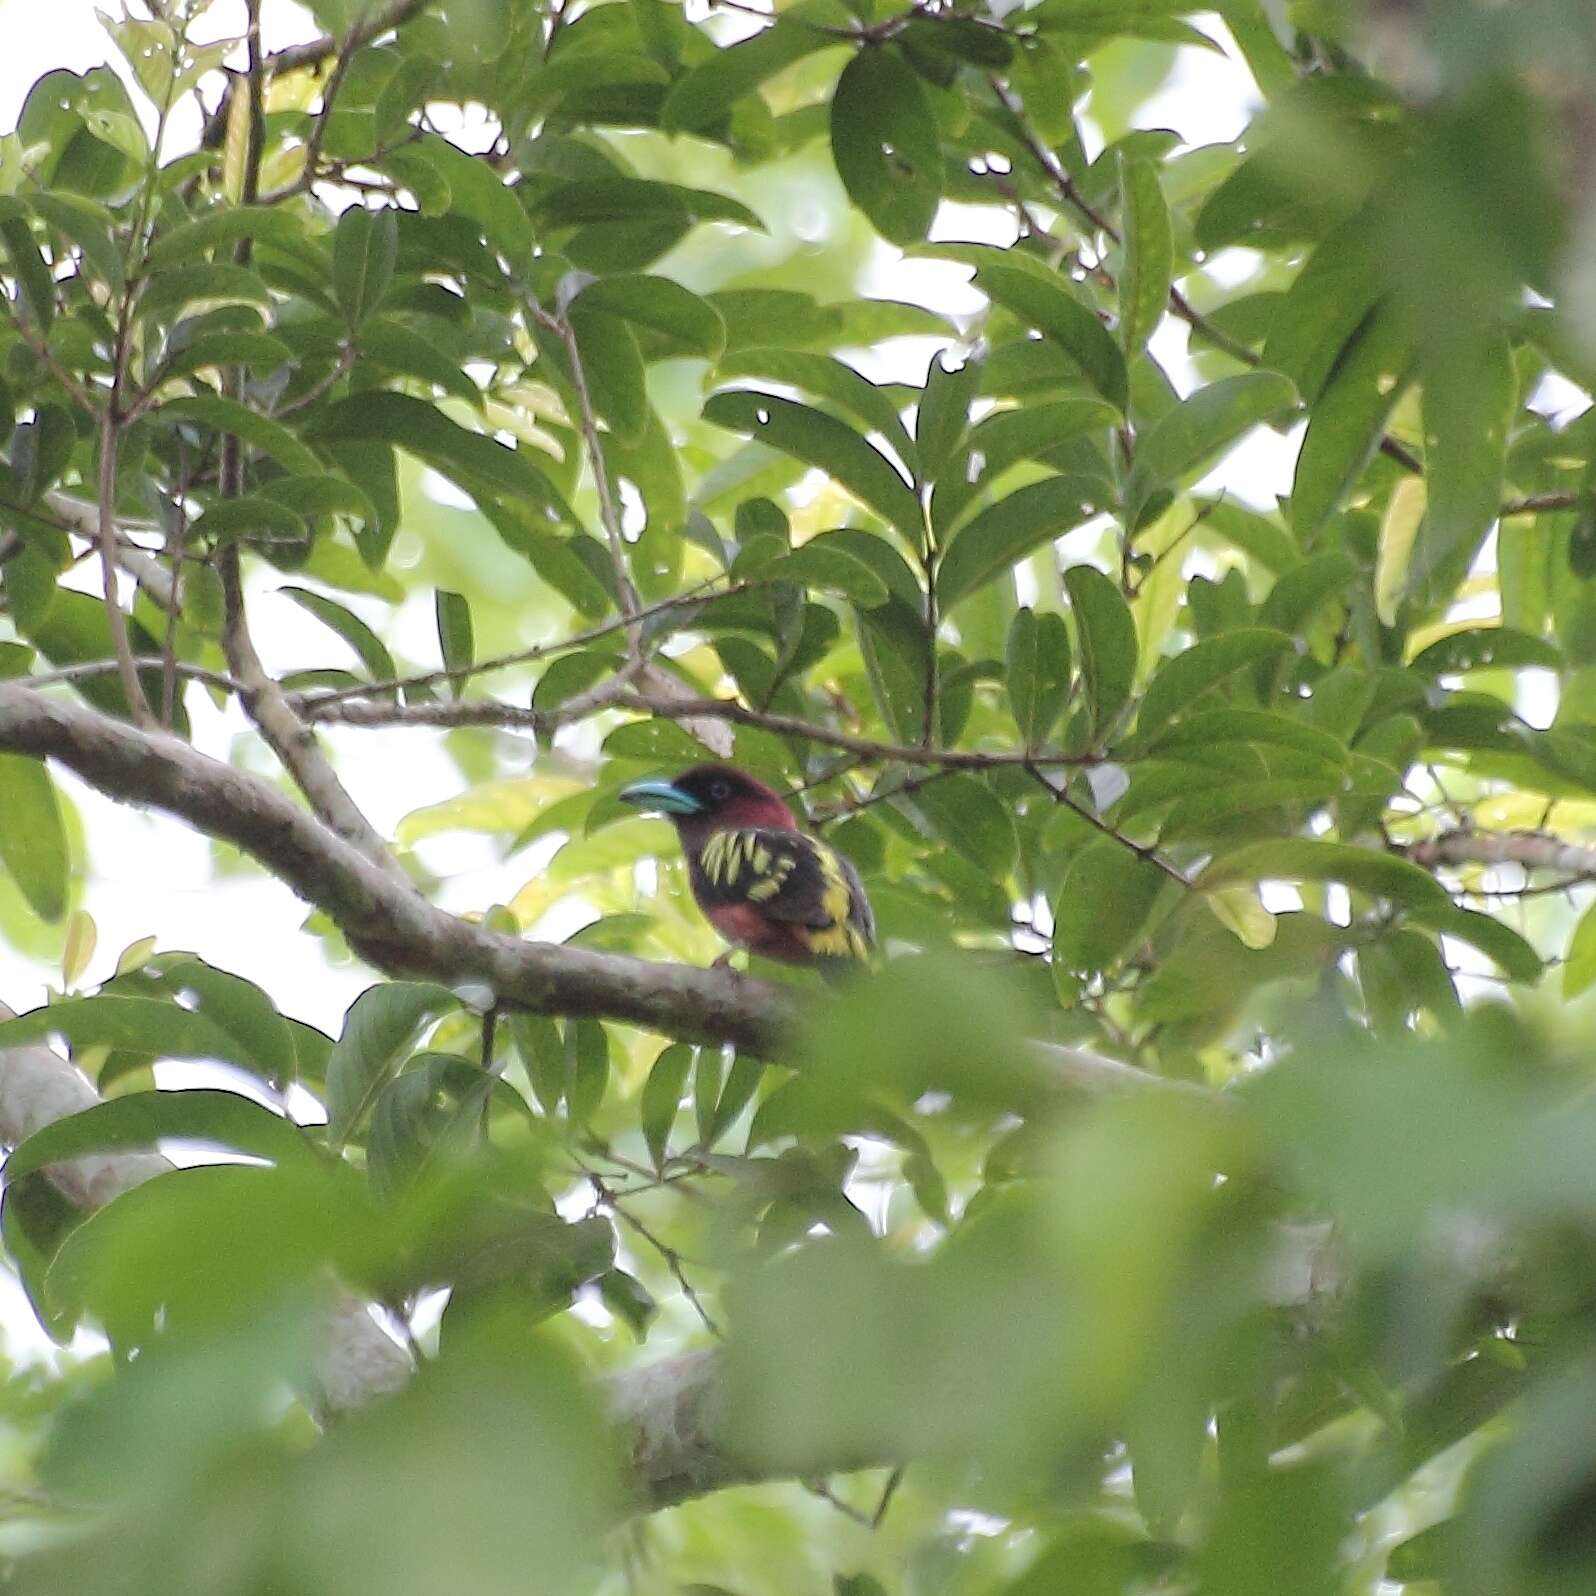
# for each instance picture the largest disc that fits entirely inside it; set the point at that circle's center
(761, 882)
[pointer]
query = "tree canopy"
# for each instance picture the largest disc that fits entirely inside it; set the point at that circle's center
(1198, 1194)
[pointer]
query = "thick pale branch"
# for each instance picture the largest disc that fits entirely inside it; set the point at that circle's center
(1532, 850)
(286, 734)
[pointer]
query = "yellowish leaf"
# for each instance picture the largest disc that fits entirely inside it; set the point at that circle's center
(79, 949)
(235, 146)
(507, 805)
(135, 955)
(1398, 531)
(1238, 910)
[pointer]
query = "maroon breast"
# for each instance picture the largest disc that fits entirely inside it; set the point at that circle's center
(743, 924)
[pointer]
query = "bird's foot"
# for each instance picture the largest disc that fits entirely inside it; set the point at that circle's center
(724, 962)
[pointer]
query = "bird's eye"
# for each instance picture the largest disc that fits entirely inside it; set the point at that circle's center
(720, 790)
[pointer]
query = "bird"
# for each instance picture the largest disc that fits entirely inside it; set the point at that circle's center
(761, 882)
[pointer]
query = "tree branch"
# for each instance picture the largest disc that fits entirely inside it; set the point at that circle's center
(1533, 850)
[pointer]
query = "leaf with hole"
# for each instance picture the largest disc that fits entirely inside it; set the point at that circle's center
(885, 144)
(826, 444)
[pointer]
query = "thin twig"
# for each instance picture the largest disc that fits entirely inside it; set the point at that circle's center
(312, 53)
(671, 1257)
(169, 644)
(90, 670)
(1541, 503)
(132, 687)
(609, 512)
(522, 656)
(318, 127)
(1142, 851)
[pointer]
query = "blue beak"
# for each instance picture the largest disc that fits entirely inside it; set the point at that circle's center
(660, 795)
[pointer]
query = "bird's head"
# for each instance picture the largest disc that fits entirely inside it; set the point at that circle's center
(710, 798)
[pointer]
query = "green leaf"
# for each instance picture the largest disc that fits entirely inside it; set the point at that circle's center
(152, 1027)
(662, 1097)
(248, 426)
(477, 191)
(87, 225)
(965, 812)
(1579, 963)
(370, 648)
(1008, 531)
(827, 378)
(1325, 306)
(703, 95)
(829, 562)
(259, 351)
(218, 229)
(1517, 958)
(944, 411)
(1149, 254)
(1060, 317)
(365, 249)
(1299, 595)
(1037, 662)
(827, 444)
(238, 1006)
(884, 141)
(37, 282)
(381, 1026)
(737, 1093)
(474, 461)
(323, 494)
(33, 841)
(1033, 431)
(1103, 905)
(613, 367)
(1480, 648)
(1185, 678)
(219, 283)
(628, 1299)
(587, 1068)
(1470, 397)
(252, 515)
(1214, 727)
(1106, 634)
(141, 1119)
(1382, 875)
(688, 325)
(1347, 422)
(1191, 434)
(393, 346)
(455, 643)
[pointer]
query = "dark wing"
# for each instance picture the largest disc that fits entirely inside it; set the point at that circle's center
(791, 878)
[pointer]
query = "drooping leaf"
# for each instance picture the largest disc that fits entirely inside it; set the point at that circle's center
(1106, 635)
(884, 140)
(1037, 660)
(381, 1024)
(1149, 254)
(365, 248)
(825, 443)
(33, 842)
